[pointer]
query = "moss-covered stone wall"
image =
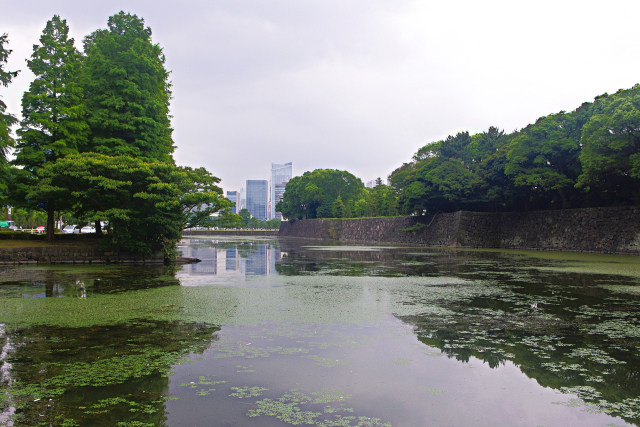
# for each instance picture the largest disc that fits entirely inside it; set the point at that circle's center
(605, 230)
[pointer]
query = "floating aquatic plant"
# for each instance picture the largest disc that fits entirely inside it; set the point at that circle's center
(247, 392)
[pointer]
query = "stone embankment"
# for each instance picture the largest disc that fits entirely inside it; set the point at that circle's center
(76, 249)
(603, 230)
(65, 254)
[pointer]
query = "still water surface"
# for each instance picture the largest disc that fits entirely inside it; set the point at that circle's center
(277, 333)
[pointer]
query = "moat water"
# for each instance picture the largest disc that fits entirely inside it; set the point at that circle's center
(268, 332)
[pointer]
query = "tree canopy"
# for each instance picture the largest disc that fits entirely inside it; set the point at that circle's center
(127, 91)
(53, 122)
(315, 194)
(147, 204)
(6, 119)
(587, 157)
(95, 139)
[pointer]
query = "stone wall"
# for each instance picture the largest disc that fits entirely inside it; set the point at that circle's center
(440, 230)
(604, 230)
(66, 254)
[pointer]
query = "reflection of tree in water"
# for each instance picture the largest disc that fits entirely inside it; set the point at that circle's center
(53, 281)
(561, 344)
(306, 257)
(98, 375)
(244, 246)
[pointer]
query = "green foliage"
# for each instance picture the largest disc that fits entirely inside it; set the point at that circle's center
(113, 106)
(245, 216)
(611, 155)
(226, 219)
(147, 204)
(53, 122)
(380, 200)
(416, 228)
(25, 218)
(338, 209)
(52, 110)
(127, 91)
(544, 157)
(200, 196)
(6, 120)
(313, 194)
(587, 157)
(269, 224)
(326, 193)
(438, 182)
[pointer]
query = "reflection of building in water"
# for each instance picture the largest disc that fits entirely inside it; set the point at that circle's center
(208, 257)
(257, 261)
(274, 257)
(252, 259)
(232, 260)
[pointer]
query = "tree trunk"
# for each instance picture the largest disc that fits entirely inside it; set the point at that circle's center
(51, 228)
(98, 227)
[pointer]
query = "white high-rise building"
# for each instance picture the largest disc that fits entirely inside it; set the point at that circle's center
(280, 175)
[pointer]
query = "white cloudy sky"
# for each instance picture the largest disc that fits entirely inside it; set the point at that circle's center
(355, 84)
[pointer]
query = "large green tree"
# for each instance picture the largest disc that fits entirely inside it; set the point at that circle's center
(6, 119)
(53, 122)
(245, 216)
(610, 156)
(441, 176)
(147, 204)
(543, 158)
(127, 91)
(380, 200)
(314, 194)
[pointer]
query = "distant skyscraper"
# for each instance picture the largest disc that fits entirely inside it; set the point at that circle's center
(243, 199)
(280, 175)
(257, 190)
(233, 196)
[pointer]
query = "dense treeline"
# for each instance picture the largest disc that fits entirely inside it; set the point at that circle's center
(329, 193)
(95, 138)
(243, 219)
(585, 158)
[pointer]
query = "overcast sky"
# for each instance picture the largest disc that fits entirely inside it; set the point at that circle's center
(354, 84)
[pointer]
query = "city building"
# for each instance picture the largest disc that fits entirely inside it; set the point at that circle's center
(233, 196)
(280, 175)
(243, 200)
(257, 195)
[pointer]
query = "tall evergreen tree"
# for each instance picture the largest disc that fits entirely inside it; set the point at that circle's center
(127, 91)
(53, 122)
(6, 120)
